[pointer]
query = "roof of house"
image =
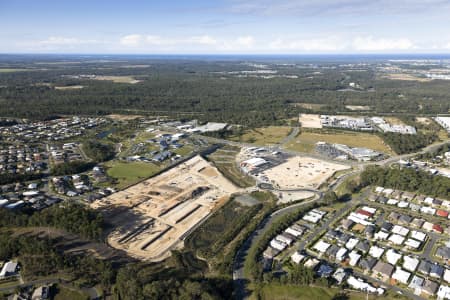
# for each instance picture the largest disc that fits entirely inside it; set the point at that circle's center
(430, 287)
(363, 246)
(442, 213)
(368, 263)
(416, 282)
(410, 263)
(401, 275)
(383, 268)
(443, 252)
(424, 267)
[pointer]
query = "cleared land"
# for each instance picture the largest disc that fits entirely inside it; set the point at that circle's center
(224, 159)
(288, 292)
(123, 117)
(301, 172)
(286, 197)
(69, 87)
(129, 173)
(394, 121)
(152, 217)
(306, 141)
(358, 107)
(310, 121)
(311, 106)
(64, 293)
(263, 135)
(118, 79)
(6, 70)
(406, 77)
(425, 121)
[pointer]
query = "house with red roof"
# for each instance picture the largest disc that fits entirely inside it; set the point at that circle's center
(442, 213)
(438, 228)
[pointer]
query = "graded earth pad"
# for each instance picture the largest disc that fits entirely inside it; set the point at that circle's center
(310, 121)
(301, 172)
(153, 217)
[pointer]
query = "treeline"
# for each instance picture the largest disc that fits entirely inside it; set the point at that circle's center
(7, 178)
(407, 179)
(97, 151)
(437, 152)
(41, 257)
(72, 167)
(71, 217)
(408, 143)
(141, 281)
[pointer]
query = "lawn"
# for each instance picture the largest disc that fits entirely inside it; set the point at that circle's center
(263, 135)
(287, 292)
(63, 293)
(129, 173)
(305, 142)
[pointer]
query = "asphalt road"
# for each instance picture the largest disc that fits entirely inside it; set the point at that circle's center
(238, 267)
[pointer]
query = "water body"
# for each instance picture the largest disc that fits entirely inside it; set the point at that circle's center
(105, 133)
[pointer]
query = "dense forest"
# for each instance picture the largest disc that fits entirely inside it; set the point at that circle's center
(72, 218)
(407, 179)
(40, 257)
(208, 90)
(408, 143)
(97, 151)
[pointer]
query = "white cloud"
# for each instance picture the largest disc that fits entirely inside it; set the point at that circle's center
(131, 40)
(192, 43)
(205, 40)
(64, 41)
(370, 43)
(308, 45)
(245, 41)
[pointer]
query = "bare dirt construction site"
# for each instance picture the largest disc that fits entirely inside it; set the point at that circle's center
(153, 217)
(310, 121)
(302, 172)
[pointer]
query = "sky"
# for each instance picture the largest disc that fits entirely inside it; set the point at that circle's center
(225, 26)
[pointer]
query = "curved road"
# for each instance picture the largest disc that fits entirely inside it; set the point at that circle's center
(238, 266)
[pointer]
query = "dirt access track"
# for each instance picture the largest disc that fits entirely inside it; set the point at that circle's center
(153, 217)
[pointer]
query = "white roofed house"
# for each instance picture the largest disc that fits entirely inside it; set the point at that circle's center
(376, 252)
(401, 275)
(393, 256)
(443, 292)
(410, 263)
(447, 275)
(9, 269)
(278, 245)
(396, 239)
(321, 246)
(340, 255)
(297, 257)
(354, 258)
(284, 238)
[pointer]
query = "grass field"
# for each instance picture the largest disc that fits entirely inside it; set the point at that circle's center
(263, 135)
(224, 160)
(129, 173)
(305, 142)
(288, 292)
(63, 293)
(311, 106)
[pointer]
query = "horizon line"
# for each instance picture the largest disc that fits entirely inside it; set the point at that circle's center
(231, 54)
